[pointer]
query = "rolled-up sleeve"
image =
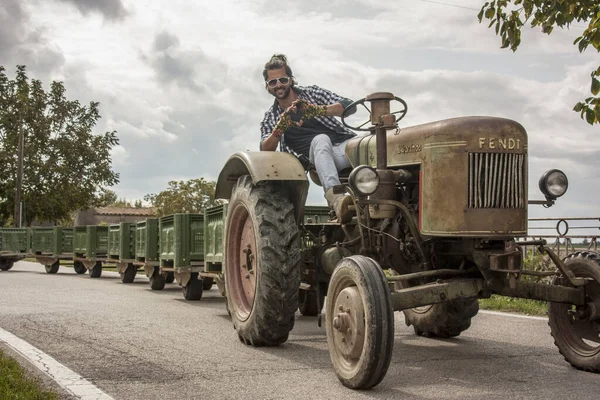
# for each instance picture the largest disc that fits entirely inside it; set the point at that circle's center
(324, 96)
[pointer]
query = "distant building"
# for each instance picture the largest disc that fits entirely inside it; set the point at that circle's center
(113, 215)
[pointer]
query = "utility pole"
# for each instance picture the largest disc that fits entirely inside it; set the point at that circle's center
(18, 206)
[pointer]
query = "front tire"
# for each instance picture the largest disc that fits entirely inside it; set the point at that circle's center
(52, 269)
(575, 334)
(262, 262)
(359, 322)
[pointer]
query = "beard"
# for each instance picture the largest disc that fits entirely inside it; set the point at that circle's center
(280, 94)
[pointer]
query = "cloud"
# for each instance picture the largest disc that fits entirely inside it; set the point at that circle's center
(22, 44)
(109, 9)
(187, 68)
(120, 156)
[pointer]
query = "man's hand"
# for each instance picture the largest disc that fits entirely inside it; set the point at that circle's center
(307, 110)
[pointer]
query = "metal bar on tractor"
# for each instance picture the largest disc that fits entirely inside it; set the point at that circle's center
(426, 274)
(436, 293)
(542, 291)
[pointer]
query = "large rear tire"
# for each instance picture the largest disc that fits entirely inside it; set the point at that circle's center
(52, 269)
(442, 320)
(262, 262)
(576, 335)
(359, 322)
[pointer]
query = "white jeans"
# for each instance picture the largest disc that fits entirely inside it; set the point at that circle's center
(328, 159)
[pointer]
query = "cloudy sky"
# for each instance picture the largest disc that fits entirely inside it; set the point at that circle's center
(181, 80)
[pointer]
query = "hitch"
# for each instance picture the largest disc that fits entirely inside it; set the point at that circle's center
(562, 267)
(543, 249)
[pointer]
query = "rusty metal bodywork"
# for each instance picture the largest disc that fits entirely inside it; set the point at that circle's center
(266, 166)
(471, 171)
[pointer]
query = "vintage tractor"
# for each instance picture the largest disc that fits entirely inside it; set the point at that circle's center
(437, 208)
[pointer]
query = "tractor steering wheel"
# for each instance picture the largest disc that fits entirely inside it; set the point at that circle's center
(401, 113)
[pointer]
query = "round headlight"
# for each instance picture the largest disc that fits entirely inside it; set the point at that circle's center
(364, 180)
(554, 183)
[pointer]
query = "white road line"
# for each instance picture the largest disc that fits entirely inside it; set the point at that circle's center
(66, 378)
(503, 314)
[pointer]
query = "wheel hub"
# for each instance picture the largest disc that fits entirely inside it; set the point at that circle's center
(248, 277)
(349, 323)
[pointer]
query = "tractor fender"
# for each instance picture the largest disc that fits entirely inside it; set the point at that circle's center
(266, 166)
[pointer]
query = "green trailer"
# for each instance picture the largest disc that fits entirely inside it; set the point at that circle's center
(90, 248)
(49, 245)
(121, 249)
(181, 251)
(316, 214)
(14, 245)
(214, 221)
(147, 254)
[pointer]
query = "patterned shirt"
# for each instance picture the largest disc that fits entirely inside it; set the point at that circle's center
(315, 95)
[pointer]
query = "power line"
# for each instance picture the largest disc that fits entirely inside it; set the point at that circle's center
(476, 9)
(449, 5)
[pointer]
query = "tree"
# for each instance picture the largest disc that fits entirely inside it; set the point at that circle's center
(106, 198)
(65, 165)
(184, 196)
(121, 202)
(509, 16)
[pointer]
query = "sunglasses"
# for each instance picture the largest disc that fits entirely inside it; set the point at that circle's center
(284, 80)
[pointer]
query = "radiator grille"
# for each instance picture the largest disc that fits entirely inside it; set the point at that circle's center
(497, 180)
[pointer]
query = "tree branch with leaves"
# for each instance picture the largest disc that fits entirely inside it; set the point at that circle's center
(190, 196)
(66, 164)
(509, 16)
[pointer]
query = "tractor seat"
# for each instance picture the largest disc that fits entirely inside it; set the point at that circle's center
(343, 174)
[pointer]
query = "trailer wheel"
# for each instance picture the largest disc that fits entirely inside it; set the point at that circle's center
(262, 262)
(576, 330)
(52, 269)
(307, 302)
(79, 267)
(5, 264)
(443, 320)
(129, 275)
(96, 270)
(169, 277)
(193, 289)
(359, 322)
(207, 283)
(157, 280)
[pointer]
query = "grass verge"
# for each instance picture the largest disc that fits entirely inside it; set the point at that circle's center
(510, 304)
(16, 384)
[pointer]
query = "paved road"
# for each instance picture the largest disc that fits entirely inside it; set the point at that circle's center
(135, 343)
